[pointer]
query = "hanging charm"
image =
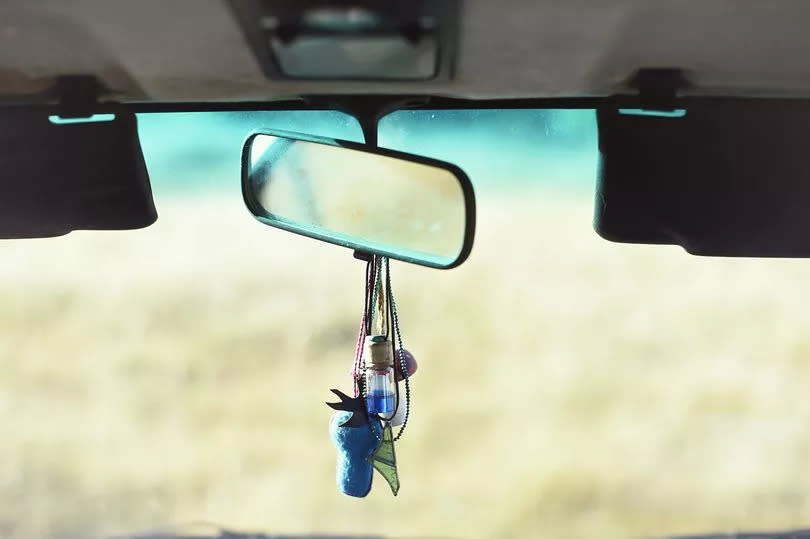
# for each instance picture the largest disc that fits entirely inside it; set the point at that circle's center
(355, 405)
(361, 426)
(384, 459)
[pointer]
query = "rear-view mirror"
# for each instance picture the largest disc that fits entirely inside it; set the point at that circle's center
(373, 200)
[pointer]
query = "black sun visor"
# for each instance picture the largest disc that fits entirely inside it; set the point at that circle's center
(721, 177)
(62, 175)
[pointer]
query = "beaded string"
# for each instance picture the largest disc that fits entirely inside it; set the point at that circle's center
(365, 326)
(374, 282)
(357, 356)
(372, 289)
(398, 346)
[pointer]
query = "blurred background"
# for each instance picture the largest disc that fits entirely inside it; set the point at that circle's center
(568, 387)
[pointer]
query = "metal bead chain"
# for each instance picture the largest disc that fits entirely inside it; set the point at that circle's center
(403, 366)
(397, 338)
(375, 291)
(365, 324)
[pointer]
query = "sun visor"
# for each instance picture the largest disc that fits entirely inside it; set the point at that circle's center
(71, 175)
(719, 178)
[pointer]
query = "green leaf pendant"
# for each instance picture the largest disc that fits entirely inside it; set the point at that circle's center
(384, 459)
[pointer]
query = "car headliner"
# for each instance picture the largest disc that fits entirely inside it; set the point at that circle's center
(193, 50)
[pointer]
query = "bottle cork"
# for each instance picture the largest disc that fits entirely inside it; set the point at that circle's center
(379, 353)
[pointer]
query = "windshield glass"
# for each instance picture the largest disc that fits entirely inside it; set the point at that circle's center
(568, 386)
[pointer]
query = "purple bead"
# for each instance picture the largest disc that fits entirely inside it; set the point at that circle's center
(410, 364)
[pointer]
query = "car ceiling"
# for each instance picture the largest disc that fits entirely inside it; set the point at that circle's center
(194, 50)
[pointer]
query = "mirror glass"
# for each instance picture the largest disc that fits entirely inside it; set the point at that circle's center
(379, 201)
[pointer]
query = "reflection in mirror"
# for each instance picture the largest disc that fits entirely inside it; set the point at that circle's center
(400, 206)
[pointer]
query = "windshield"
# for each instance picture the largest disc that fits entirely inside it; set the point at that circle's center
(568, 386)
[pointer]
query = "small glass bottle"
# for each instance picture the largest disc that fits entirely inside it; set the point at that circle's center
(380, 383)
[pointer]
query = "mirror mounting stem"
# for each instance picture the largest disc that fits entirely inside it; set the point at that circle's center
(367, 109)
(365, 256)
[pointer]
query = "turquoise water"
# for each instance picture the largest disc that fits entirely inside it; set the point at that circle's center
(498, 149)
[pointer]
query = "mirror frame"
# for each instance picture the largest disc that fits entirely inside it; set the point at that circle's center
(466, 188)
